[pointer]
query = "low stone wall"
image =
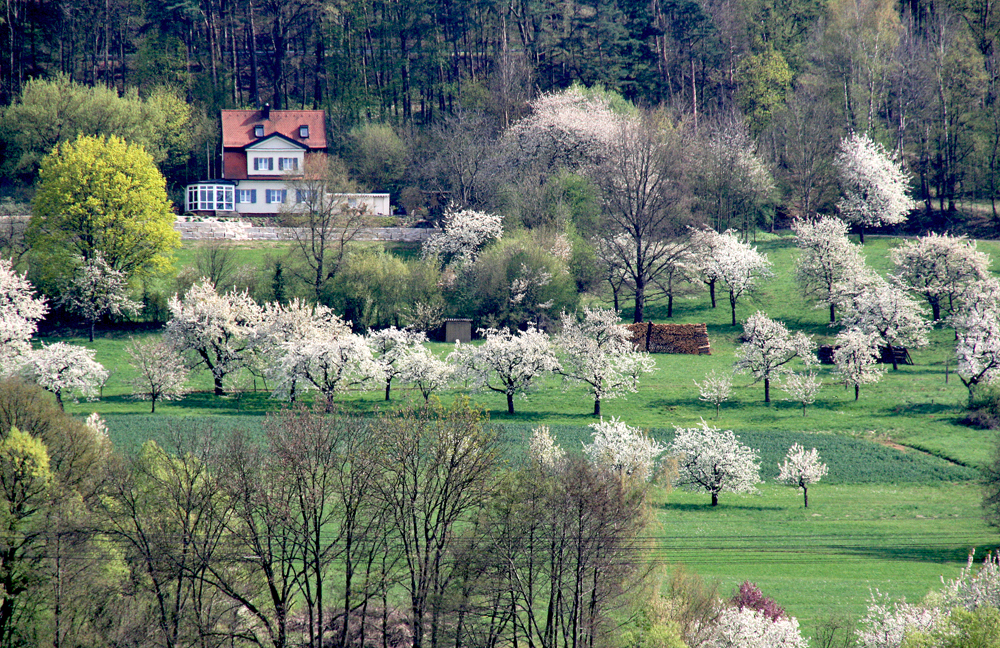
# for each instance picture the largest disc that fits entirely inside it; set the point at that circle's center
(237, 230)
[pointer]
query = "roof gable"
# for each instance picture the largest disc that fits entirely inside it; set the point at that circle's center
(276, 142)
(238, 127)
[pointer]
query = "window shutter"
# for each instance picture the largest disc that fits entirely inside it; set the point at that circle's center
(253, 195)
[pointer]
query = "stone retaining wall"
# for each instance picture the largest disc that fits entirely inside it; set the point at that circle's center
(244, 231)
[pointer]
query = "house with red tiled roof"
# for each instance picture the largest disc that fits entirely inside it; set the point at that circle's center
(264, 154)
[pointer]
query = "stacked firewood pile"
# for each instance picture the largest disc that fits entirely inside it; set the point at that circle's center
(670, 338)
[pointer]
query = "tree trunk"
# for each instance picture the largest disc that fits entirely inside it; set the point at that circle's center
(767, 390)
(732, 303)
(892, 352)
(597, 406)
(93, 324)
(510, 403)
(715, 499)
(861, 235)
(670, 305)
(857, 389)
(833, 313)
(219, 391)
(936, 309)
(805, 496)
(388, 384)
(711, 291)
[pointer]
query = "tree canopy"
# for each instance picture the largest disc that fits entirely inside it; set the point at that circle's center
(102, 195)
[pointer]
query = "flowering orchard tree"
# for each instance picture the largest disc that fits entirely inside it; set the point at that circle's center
(828, 258)
(767, 347)
(97, 290)
(390, 346)
(748, 628)
(622, 448)
(802, 387)
(715, 461)
(856, 355)
(328, 366)
(939, 267)
(425, 371)
(64, 369)
(888, 311)
(738, 266)
(219, 329)
(506, 363)
(704, 243)
(886, 624)
(749, 596)
(598, 352)
(874, 184)
(465, 233)
(542, 448)
(800, 469)
(160, 372)
(977, 333)
(572, 128)
(20, 311)
(715, 389)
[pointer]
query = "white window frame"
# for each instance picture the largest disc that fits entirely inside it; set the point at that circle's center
(280, 194)
(263, 163)
(288, 164)
(249, 194)
(209, 197)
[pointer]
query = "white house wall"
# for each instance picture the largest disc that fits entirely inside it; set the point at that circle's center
(377, 204)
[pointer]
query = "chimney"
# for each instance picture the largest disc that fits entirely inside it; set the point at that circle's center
(266, 111)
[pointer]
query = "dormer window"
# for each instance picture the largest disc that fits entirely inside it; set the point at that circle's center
(258, 131)
(304, 132)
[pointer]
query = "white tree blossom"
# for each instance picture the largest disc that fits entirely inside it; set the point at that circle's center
(20, 311)
(977, 333)
(874, 184)
(97, 426)
(64, 369)
(96, 290)
(570, 128)
(856, 355)
(622, 448)
(747, 628)
(598, 352)
(425, 371)
(738, 266)
(939, 267)
(828, 258)
(281, 324)
(465, 233)
(160, 372)
(390, 346)
(714, 460)
(800, 469)
(704, 244)
(886, 309)
(886, 624)
(506, 363)
(974, 588)
(715, 389)
(767, 347)
(802, 387)
(329, 366)
(543, 449)
(219, 329)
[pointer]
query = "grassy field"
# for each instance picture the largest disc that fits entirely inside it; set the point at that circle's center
(898, 511)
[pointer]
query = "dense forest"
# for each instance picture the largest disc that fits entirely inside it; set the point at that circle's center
(920, 77)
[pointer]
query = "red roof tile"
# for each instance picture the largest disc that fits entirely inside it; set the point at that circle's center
(238, 126)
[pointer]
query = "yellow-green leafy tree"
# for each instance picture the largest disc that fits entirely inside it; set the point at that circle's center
(25, 480)
(101, 195)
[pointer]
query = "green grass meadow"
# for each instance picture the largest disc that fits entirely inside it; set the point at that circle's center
(898, 511)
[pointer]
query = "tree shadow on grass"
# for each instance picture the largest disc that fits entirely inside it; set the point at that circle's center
(723, 507)
(913, 551)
